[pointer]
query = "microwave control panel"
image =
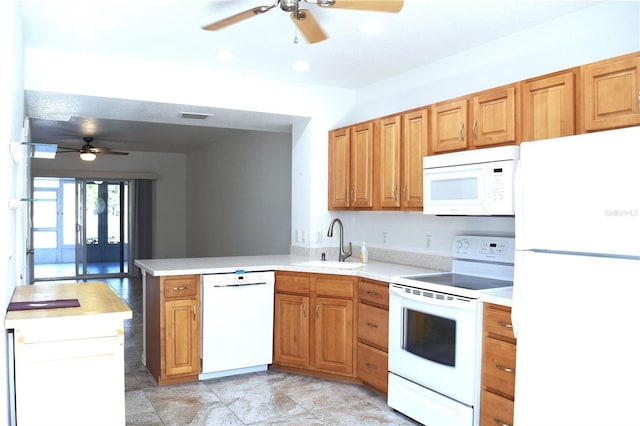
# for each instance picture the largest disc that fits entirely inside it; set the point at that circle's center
(500, 186)
(473, 247)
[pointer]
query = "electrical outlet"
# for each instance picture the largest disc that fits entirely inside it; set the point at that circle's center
(304, 236)
(385, 238)
(427, 241)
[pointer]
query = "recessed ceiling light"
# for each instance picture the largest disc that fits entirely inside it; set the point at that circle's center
(301, 66)
(226, 55)
(371, 27)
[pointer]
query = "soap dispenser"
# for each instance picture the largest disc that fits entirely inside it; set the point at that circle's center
(364, 254)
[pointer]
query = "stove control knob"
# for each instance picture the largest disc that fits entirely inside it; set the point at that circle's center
(458, 244)
(465, 244)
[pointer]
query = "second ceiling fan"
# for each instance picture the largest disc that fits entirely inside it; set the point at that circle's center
(303, 19)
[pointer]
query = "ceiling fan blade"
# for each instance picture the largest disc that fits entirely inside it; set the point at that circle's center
(374, 5)
(67, 149)
(308, 26)
(236, 18)
(106, 151)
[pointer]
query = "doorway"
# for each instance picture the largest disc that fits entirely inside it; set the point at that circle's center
(80, 228)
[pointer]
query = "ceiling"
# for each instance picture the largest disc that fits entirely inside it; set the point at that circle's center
(265, 46)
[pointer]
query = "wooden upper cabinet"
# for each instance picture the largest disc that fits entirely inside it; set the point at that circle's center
(611, 93)
(494, 117)
(415, 137)
(548, 107)
(449, 126)
(362, 165)
(339, 168)
(389, 151)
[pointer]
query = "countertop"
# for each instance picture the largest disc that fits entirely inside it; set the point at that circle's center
(96, 299)
(375, 270)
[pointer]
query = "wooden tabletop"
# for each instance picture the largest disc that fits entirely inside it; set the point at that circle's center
(96, 299)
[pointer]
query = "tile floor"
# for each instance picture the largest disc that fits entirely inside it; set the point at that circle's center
(271, 397)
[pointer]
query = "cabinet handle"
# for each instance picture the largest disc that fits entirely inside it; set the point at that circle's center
(184, 287)
(638, 99)
(317, 308)
(304, 310)
(395, 193)
(505, 369)
(194, 312)
(504, 324)
(462, 132)
(373, 293)
(372, 325)
(499, 423)
(371, 366)
(404, 192)
(475, 125)
(353, 195)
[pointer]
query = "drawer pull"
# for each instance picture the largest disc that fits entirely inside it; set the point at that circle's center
(372, 366)
(184, 287)
(373, 293)
(499, 423)
(504, 324)
(505, 369)
(372, 325)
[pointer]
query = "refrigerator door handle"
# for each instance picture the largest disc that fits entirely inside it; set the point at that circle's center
(516, 301)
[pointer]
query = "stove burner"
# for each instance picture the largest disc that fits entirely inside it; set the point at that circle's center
(468, 282)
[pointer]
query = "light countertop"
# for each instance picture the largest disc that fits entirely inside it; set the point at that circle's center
(375, 270)
(381, 271)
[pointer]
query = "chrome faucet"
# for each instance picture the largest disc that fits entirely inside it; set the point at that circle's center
(343, 254)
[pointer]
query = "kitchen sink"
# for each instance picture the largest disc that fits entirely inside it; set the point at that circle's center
(331, 264)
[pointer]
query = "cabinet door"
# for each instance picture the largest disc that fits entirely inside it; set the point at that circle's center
(362, 165)
(182, 336)
(494, 117)
(339, 168)
(548, 107)
(414, 147)
(449, 126)
(291, 330)
(333, 331)
(611, 93)
(389, 146)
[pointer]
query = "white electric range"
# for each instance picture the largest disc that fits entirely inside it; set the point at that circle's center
(435, 332)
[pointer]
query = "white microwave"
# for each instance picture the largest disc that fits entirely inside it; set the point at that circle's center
(477, 182)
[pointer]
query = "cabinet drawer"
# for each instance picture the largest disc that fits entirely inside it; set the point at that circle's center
(292, 283)
(373, 326)
(499, 366)
(495, 410)
(373, 367)
(373, 292)
(181, 286)
(497, 322)
(334, 286)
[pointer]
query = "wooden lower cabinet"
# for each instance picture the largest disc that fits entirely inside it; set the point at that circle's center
(173, 328)
(498, 366)
(373, 333)
(314, 323)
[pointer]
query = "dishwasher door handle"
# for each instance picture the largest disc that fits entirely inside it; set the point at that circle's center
(237, 285)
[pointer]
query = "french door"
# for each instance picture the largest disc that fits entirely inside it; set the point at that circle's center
(80, 228)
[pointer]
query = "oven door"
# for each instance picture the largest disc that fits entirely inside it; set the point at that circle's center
(434, 341)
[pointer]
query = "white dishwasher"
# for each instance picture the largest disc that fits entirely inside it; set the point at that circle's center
(237, 323)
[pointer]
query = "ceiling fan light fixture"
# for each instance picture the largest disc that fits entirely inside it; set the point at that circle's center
(288, 5)
(88, 156)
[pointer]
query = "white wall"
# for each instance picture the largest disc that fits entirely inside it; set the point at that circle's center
(239, 196)
(169, 172)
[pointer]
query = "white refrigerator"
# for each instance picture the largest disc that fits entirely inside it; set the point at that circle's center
(576, 296)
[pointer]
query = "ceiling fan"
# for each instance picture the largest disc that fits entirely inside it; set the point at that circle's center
(88, 152)
(303, 19)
